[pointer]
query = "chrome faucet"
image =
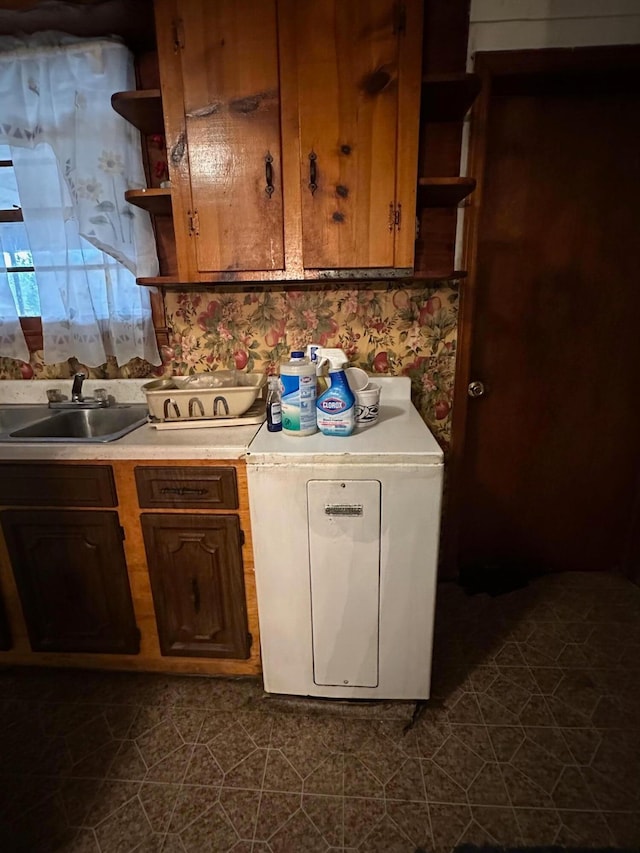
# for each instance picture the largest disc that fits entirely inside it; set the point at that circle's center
(76, 390)
(100, 399)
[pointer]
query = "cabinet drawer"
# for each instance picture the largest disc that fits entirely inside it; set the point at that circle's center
(35, 484)
(190, 488)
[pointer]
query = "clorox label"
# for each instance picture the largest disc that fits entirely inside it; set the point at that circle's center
(333, 405)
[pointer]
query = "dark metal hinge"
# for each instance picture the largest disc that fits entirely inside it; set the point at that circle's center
(194, 224)
(399, 19)
(249, 641)
(242, 537)
(122, 533)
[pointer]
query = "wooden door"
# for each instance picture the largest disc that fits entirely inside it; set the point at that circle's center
(195, 565)
(231, 123)
(346, 65)
(552, 456)
(71, 575)
(5, 633)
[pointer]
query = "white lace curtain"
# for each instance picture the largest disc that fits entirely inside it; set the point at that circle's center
(74, 157)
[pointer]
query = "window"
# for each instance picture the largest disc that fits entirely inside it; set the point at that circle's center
(71, 246)
(15, 244)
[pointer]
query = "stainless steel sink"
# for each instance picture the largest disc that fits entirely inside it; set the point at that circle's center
(77, 425)
(15, 416)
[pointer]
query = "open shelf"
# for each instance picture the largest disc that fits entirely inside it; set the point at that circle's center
(155, 201)
(141, 108)
(444, 192)
(448, 97)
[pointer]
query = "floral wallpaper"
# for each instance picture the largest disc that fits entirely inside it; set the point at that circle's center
(385, 328)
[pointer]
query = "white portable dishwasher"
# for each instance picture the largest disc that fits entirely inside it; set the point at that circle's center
(345, 538)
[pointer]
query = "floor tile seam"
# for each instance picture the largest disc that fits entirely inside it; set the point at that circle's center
(463, 831)
(424, 790)
(180, 785)
(376, 776)
(261, 789)
(401, 799)
(216, 802)
(318, 829)
(374, 826)
(279, 828)
(122, 805)
(397, 825)
(113, 811)
(232, 824)
(148, 731)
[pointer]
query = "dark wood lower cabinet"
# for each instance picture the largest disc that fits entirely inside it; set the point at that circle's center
(197, 580)
(71, 575)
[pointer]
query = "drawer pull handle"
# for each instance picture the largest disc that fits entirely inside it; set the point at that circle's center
(268, 168)
(195, 594)
(313, 172)
(181, 491)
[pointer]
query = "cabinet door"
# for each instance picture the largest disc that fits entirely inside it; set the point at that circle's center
(229, 110)
(347, 99)
(71, 575)
(195, 565)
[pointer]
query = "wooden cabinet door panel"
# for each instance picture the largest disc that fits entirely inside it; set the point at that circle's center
(232, 121)
(71, 575)
(347, 72)
(197, 580)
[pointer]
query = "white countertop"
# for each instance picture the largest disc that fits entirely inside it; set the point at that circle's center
(146, 442)
(399, 436)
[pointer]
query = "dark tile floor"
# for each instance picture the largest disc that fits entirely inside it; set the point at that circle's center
(531, 737)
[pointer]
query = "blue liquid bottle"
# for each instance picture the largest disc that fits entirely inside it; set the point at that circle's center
(336, 407)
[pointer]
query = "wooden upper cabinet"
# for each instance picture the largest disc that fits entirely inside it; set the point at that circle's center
(347, 72)
(292, 133)
(220, 93)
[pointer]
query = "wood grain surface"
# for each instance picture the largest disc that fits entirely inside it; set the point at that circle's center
(150, 657)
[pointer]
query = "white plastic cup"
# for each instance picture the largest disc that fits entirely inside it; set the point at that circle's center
(357, 378)
(367, 405)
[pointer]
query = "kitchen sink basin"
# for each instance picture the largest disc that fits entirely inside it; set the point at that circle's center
(14, 417)
(76, 425)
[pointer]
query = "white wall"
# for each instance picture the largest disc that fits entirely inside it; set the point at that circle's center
(522, 24)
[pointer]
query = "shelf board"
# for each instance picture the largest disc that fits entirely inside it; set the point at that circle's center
(155, 201)
(141, 108)
(159, 281)
(439, 275)
(448, 97)
(444, 192)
